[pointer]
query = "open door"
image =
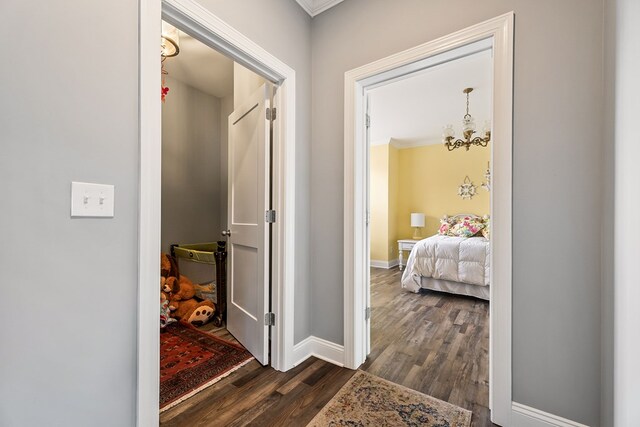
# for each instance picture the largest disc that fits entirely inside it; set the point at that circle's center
(248, 230)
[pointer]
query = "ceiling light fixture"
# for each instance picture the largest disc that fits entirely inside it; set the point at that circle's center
(468, 129)
(170, 41)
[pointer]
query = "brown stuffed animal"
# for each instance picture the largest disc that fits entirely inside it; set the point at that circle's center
(193, 312)
(181, 290)
(180, 287)
(168, 266)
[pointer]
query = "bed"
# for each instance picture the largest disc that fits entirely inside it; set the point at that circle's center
(450, 263)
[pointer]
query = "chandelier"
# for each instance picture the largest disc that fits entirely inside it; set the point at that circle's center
(468, 129)
(169, 41)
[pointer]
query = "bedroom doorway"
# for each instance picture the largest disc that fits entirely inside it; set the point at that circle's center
(428, 244)
(360, 83)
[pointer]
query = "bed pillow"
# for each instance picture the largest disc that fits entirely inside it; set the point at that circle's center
(466, 227)
(486, 231)
(445, 226)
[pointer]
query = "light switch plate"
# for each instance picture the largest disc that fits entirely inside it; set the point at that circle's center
(92, 200)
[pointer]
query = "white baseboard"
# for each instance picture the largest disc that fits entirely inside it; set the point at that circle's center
(317, 347)
(384, 264)
(526, 416)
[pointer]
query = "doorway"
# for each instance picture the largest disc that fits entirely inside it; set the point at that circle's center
(213, 32)
(429, 245)
(499, 33)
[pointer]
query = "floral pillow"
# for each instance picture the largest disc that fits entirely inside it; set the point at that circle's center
(466, 227)
(445, 226)
(486, 231)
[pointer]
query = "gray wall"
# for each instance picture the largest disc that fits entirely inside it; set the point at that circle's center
(68, 111)
(191, 135)
(226, 108)
(558, 172)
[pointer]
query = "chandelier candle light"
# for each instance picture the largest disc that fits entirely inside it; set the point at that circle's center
(468, 129)
(417, 221)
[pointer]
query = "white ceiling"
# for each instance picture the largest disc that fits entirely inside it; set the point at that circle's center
(315, 7)
(412, 111)
(201, 67)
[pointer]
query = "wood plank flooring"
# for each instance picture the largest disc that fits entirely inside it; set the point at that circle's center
(431, 342)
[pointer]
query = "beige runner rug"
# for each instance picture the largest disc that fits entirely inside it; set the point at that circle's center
(367, 400)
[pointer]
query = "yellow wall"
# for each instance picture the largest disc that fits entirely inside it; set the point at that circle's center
(420, 179)
(379, 201)
(394, 197)
(429, 177)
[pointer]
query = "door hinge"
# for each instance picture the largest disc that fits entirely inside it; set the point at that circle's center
(271, 113)
(270, 216)
(367, 313)
(367, 120)
(270, 319)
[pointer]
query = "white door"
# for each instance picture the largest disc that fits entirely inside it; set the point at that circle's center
(248, 232)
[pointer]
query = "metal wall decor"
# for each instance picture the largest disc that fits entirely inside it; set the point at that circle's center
(467, 189)
(487, 176)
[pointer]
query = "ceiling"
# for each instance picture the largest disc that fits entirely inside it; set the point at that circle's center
(315, 7)
(201, 67)
(412, 111)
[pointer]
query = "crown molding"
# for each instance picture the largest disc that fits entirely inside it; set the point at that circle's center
(406, 143)
(316, 7)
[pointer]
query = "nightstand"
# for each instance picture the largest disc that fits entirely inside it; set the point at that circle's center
(404, 245)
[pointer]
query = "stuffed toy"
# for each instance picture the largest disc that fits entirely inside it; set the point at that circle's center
(179, 286)
(165, 314)
(167, 284)
(165, 311)
(193, 312)
(168, 266)
(180, 290)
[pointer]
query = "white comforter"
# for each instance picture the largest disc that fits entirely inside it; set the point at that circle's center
(459, 259)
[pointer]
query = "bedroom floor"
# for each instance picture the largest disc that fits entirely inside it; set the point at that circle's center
(432, 342)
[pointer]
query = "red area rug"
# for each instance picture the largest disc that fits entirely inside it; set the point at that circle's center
(191, 360)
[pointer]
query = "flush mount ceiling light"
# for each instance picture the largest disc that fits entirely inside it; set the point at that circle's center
(468, 129)
(170, 41)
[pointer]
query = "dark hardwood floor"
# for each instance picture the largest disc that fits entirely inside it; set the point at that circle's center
(434, 343)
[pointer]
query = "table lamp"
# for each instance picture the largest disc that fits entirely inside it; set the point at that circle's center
(417, 222)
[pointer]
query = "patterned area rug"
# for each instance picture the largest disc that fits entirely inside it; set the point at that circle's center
(367, 400)
(191, 360)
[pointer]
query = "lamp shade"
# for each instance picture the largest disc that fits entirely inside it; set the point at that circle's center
(417, 220)
(170, 41)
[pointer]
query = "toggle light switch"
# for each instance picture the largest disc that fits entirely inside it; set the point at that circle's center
(92, 200)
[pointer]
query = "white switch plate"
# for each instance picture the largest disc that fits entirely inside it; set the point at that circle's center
(92, 200)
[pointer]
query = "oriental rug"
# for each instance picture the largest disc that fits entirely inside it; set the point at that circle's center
(192, 360)
(367, 400)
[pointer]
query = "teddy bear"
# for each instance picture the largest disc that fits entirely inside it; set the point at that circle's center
(180, 289)
(168, 266)
(179, 286)
(193, 312)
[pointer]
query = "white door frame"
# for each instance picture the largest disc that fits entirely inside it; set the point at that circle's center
(356, 262)
(208, 28)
